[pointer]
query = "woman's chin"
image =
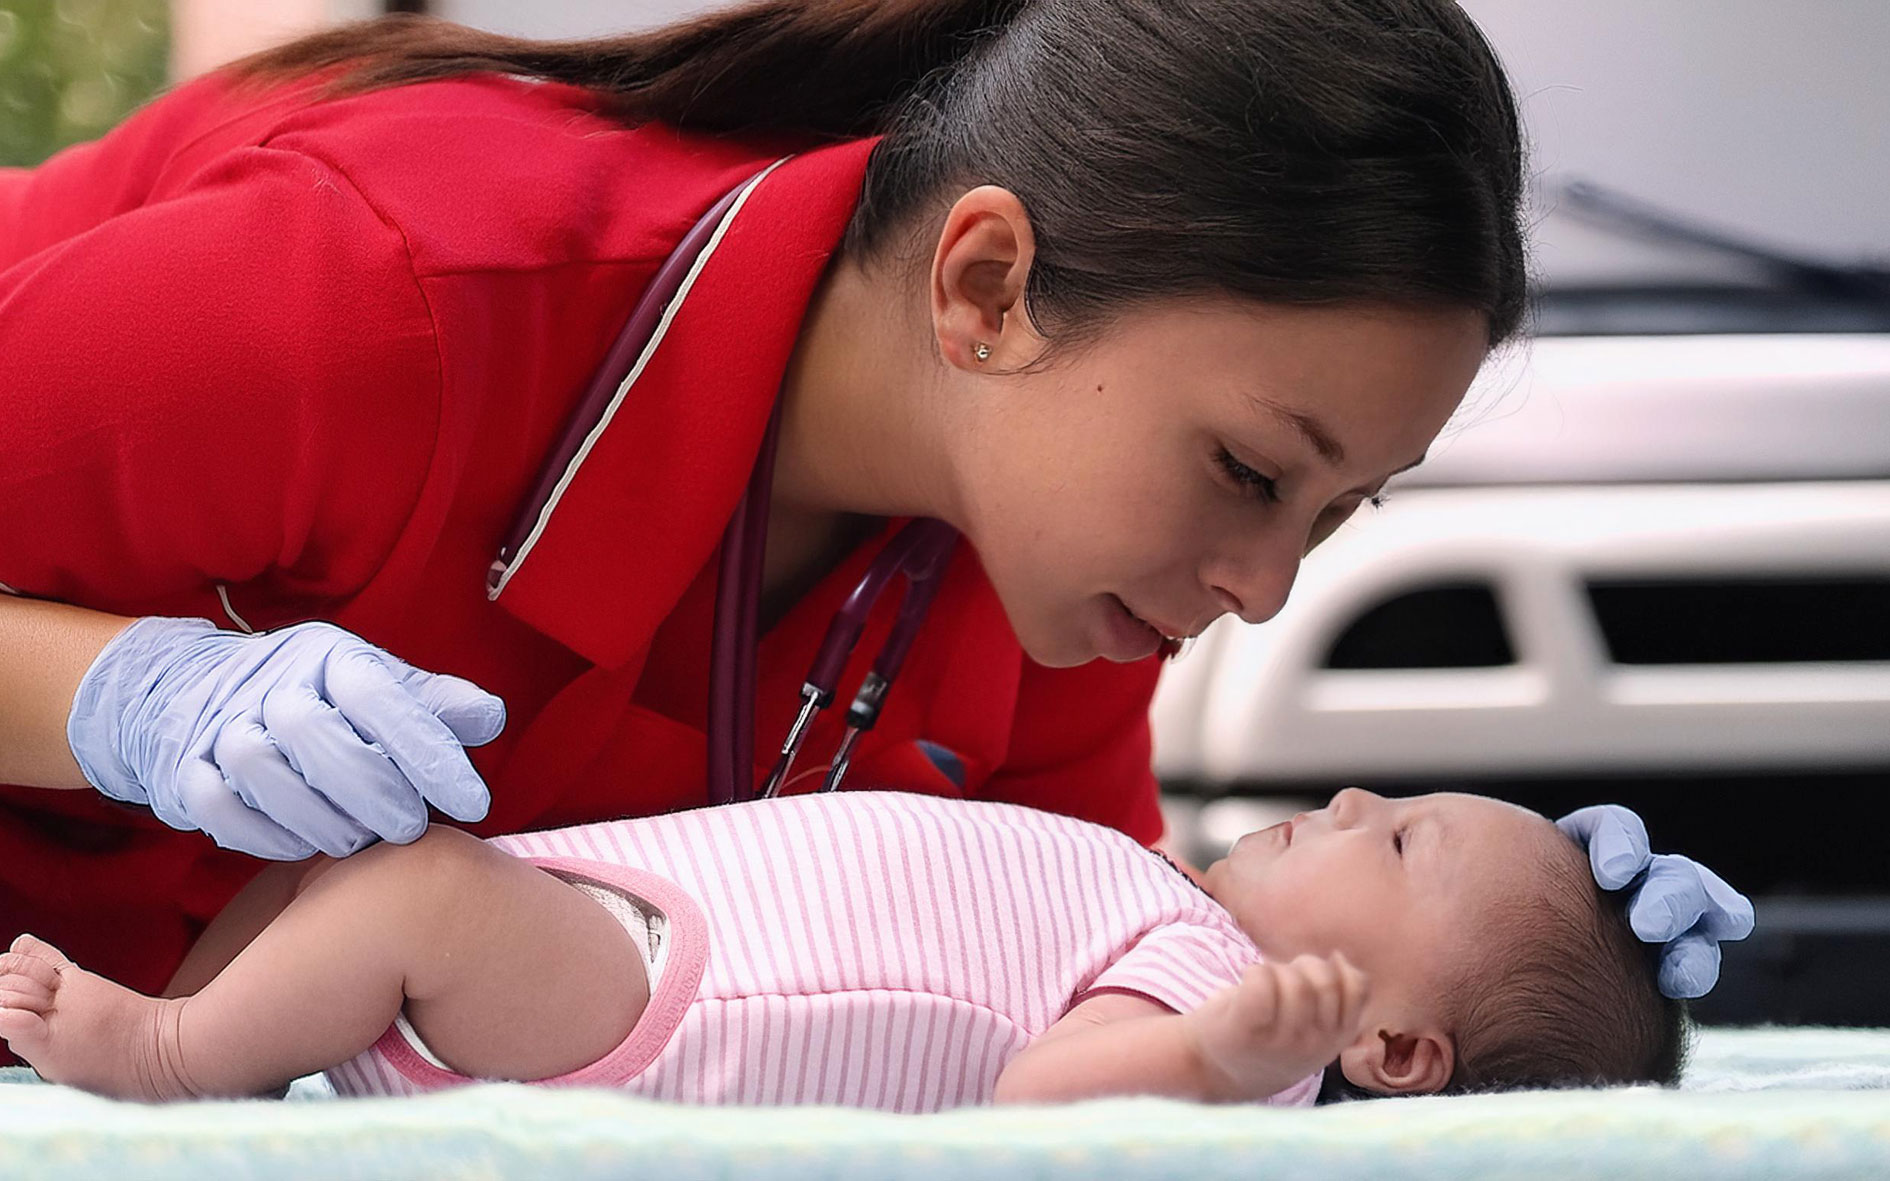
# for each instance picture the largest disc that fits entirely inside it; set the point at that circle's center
(1064, 657)
(1068, 637)
(1054, 647)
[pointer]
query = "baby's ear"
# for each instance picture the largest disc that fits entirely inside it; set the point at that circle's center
(1393, 1063)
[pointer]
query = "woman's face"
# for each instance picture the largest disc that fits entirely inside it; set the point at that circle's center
(1182, 467)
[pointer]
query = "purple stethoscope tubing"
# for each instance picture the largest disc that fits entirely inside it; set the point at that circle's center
(608, 381)
(920, 552)
(737, 630)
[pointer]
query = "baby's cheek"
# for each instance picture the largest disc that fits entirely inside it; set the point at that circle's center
(1279, 918)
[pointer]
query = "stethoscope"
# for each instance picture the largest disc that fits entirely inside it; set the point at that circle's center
(919, 553)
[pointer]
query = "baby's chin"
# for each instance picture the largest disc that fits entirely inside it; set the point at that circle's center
(1238, 867)
(1213, 875)
(1247, 845)
(1227, 884)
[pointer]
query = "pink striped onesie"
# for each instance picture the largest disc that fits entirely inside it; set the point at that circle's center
(872, 949)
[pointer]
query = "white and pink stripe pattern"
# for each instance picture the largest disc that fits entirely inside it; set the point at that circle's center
(871, 949)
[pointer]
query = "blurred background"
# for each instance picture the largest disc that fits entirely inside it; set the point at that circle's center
(1650, 562)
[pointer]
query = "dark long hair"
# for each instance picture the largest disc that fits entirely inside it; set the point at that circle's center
(1290, 151)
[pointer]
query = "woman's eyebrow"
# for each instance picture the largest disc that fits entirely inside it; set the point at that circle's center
(1315, 433)
(1309, 428)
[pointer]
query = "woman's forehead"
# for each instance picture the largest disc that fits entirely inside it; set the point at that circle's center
(1344, 379)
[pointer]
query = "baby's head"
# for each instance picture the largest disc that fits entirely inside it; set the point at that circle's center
(1495, 960)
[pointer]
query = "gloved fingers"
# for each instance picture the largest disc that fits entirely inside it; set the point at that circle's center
(1729, 913)
(1689, 966)
(1615, 838)
(347, 775)
(374, 702)
(1669, 900)
(473, 715)
(213, 806)
(273, 777)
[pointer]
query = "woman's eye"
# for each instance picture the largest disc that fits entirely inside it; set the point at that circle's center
(1253, 483)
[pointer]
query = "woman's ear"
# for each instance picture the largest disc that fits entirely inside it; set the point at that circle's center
(979, 272)
(1392, 1063)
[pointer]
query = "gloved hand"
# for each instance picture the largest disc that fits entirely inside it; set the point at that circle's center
(282, 744)
(1678, 901)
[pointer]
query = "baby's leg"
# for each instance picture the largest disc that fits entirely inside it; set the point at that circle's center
(506, 972)
(243, 918)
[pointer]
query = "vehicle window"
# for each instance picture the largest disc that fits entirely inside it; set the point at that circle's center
(1743, 621)
(1455, 625)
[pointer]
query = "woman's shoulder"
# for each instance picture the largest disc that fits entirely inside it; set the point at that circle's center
(484, 172)
(490, 172)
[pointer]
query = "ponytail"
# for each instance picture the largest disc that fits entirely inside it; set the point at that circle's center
(1285, 151)
(828, 69)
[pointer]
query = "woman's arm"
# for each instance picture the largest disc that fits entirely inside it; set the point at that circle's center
(45, 649)
(1281, 1023)
(236, 380)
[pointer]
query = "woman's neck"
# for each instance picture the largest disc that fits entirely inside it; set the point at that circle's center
(862, 431)
(860, 437)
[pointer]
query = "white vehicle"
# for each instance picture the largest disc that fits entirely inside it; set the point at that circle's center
(1653, 570)
(1653, 566)
(1651, 555)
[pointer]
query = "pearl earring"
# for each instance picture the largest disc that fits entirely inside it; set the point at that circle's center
(983, 351)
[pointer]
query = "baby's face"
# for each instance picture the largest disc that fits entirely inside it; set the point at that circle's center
(1399, 886)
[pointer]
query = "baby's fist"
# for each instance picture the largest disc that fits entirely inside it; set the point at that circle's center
(1279, 1024)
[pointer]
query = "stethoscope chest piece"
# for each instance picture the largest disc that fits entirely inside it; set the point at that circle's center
(920, 552)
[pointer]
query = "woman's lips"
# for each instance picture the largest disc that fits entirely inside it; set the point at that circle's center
(1129, 638)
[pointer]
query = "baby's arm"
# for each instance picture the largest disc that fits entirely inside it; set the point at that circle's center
(1281, 1023)
(505, 971)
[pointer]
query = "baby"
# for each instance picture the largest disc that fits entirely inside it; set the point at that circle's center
(893, 951)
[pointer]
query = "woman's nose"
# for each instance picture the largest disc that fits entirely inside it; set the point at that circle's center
(1256, 589)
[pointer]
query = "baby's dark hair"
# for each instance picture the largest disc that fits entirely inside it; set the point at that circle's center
(1566, 995)
(1561, 993)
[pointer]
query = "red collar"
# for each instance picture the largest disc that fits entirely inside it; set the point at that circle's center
(645, 511)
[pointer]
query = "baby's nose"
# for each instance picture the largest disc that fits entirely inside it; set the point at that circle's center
(1350, 805)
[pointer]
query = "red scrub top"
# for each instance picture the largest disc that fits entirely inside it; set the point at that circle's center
(311, 357)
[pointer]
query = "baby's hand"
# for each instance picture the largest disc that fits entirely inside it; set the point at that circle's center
(1281, 1023)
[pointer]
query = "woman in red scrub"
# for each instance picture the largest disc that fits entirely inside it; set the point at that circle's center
(1145, 299)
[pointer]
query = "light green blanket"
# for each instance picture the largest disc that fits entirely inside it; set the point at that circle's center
(1759, 1103)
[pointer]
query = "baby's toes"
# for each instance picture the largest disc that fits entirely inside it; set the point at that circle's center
(29, 966)
(29, 980)
(24, 1029)
(19, 992)
(36, 948)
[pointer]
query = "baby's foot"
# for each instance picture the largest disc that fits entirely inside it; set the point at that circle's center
(77, 1028)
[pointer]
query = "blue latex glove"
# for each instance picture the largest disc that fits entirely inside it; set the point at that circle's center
(282, 744)
(1678, 901)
